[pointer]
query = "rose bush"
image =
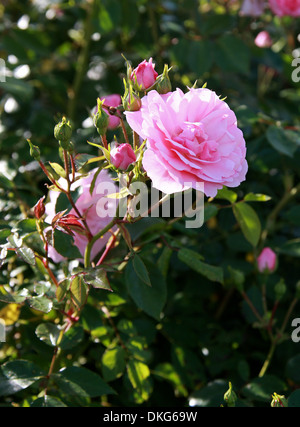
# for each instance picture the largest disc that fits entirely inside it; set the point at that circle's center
(141, 310)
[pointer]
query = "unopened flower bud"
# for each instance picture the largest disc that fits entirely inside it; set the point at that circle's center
(39, 208)
(230, 396)
(131, 101)
(101, 119)
(144, 75)
(122, 156)
(267, 261)
(34, 151)
(63, 133)
(163, 82)
(279, 401)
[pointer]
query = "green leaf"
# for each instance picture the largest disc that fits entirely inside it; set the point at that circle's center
(58, 169)
(226, 194)
(164, 260)
(210, 395)
(77, 381)
(4, 233)
(192, 259)
(113, 363)
(64, 244)
(261, 389)
(294, 399)
(26, 227)
(282, 140)
(47, 402)
(292, 369)
(169, 373)
(97, 278)
(14, 298)
(48, 333)
(18, 375)
(41, 303)
(248, 221)
(62, 289)
(22, 90)
(291, 248)
(149, 299)
(22, 251)
(79, 291)
(72, 337)
(251, 197)
(226, 51)
(140, 269)
(138, 374)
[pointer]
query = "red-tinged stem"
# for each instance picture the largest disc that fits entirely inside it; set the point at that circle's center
(109, 246)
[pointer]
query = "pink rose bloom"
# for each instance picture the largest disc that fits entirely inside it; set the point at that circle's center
(145, 74)
(87, 206)
(122, 156)
(263, 39)
(252, 7)
(285, 7)
(267, 261)
(112, 101)
(191, 138)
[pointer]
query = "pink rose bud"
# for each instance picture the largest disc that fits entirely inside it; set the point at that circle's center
(252, 7)
(263, 39)
(122, 156)
(39, 208)
(285, 7)
(144, 74)
(112, 101)
(267, 261)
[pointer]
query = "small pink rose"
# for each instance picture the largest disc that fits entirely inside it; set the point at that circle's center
(122, 156)
(145, 74)
(285, 7)
(112, 101)
(252, 7)
(267, 261)
(263, 39)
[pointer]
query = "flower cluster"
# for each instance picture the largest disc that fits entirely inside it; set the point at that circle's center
(179, 140)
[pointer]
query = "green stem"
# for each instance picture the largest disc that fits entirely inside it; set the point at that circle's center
(268, 359)
(88, 250)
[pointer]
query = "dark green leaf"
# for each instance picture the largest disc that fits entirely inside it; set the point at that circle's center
(18, 375)
(64, 245)
(193, 260)
(284, 141)
(149, 299)
(77, 381)
(47, 402)
(140, 269)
